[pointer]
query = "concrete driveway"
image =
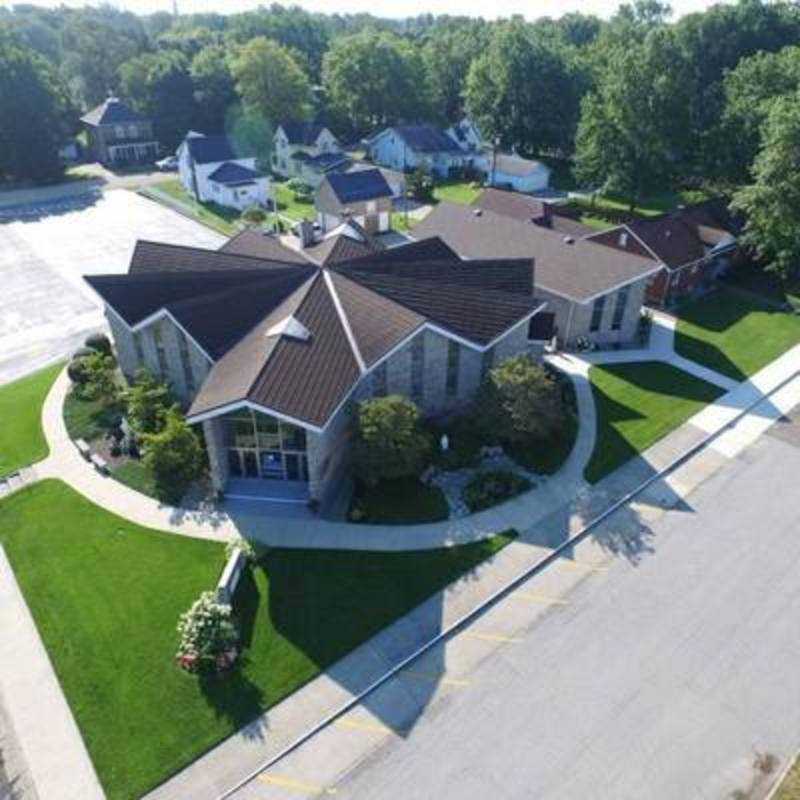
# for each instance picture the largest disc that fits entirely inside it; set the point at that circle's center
(668, 676)
(45, 307)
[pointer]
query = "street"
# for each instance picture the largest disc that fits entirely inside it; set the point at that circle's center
(666, 679)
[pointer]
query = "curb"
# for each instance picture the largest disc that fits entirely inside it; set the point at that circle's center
(500, 593)
(776, 787)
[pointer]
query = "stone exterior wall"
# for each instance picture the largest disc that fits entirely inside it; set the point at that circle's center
(213, 431)
(171, 335)
(328, 455)
(573, 320)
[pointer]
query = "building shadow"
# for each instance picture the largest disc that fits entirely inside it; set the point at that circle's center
(37, 210)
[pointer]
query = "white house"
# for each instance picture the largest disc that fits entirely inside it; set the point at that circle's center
(407, 147)
(364, 197)
(212, 170)
(510, 171)
(306, 150)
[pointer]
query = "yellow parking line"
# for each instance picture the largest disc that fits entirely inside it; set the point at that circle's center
(432, 676)
(534, 597)
(355, 725)
(491, 637)
(299, 786)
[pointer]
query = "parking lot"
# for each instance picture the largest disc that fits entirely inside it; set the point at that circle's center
(45, 248)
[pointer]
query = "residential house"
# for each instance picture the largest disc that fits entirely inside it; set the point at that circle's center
(524, 208)
(214, 169)
(119, 136)
(306, 151)
(467, 136)
(395, 179)
(407, 147)
(693, 245)
(595, 292)
(268, 353)
(364, 197)
(510, 171)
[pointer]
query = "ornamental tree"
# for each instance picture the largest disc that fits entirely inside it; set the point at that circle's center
(390, 442)
(208, 635)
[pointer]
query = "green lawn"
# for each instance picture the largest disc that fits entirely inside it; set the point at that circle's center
(290, 207)
(463, 192)
(649, 206)
(734, 333)
(398, 222)
(790, 788)
(134, 474)
(215, 216)
(638, 404)
(404, 501)
(106, 595)
(753, 279)
(22, 440)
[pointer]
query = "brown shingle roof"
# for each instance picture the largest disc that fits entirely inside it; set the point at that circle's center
(338, 248)
(256, 244)
(579, 270)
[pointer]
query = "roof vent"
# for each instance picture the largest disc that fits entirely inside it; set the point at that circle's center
(569, 240)
(477, 211)
(290, 327)
(667, 233)
(623, 239)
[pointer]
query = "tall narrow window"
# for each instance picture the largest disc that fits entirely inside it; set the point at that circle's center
(161, 352)
(487, 362)
(380, 380)
(453, 362)
(137, 345)
(417, 367)
(597, 313)
(186, 363)
(619, 308)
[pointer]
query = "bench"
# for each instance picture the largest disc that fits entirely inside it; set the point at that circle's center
(83, 449)
(99, 463)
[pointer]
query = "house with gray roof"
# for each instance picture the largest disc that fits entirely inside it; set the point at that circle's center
(119, 136)
(595, 292)
(306, 151)
(268, 352)
(363, 196)
(214, 168)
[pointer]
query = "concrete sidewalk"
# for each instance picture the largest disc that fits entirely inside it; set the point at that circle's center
(45, 729)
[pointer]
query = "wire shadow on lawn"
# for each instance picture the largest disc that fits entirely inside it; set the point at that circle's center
(638, 404)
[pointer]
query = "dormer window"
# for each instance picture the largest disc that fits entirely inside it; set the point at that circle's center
(290, 327)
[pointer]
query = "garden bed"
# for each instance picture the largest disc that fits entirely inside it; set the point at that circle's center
(404, 501)
(112, 640)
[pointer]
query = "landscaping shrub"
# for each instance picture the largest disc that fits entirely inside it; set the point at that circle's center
(389, 442)
(77, 371)
(208, 636)
(99, 342)
(94, 377)
(249, 550)
(174, 456)
(254, 214)
(148, 402)
(487, 489)
(420, 185)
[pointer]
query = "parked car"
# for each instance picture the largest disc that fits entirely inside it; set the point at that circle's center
(168, 164)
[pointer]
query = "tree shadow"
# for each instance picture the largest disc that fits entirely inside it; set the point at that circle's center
(35, 211)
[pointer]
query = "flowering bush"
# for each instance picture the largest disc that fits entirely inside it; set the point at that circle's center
(208, 636)
(240, 543)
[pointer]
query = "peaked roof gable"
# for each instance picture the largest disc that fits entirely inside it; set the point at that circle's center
(355, 187)
(112, 111)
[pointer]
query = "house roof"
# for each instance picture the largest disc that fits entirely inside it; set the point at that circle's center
(245, 311)
(355, 187)
(574, 268)
(302, 133)
(257, 244)
(525, 208)
(339, 247)
(426, 139)
(326, 161)
(211, 149)
(111, 112)
(515, 165)
(230, 173)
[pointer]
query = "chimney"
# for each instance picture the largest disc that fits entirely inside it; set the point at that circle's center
(547, 215)
(623, 239)
(305, 232)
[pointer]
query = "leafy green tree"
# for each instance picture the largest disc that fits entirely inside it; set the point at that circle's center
(147, 401)
(160, 86)
(520, 401)
(270, 81)
(214, 90)
(33, 114)
(174, 456)
(750, 91)
(632, 133)
(375, 79)
(390, 442)
(525, 89)
(771, 204)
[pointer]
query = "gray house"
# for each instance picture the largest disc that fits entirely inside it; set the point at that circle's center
(120, 136)
(268, 350)
(594, 291)
(363, 196)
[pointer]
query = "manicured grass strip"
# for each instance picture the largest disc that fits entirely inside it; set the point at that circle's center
(463, 192)
(215, 216)
(734, 333)
(290, 207)
(405, 501)
(638, 404)
(106, 595)
(22, 440)
(790, 788)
